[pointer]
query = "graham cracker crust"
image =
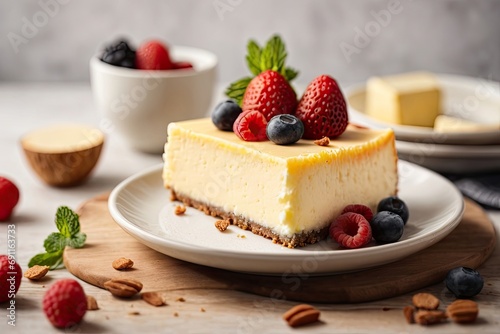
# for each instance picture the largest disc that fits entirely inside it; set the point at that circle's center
(296, 240)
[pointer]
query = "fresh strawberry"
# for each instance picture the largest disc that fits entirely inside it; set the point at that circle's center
(65, 303)
(270, 94)
(153, 55)
(351, 230)
(361, 209)
(322, 109)
(250, 126)
(9, 196)
(10, 278)
(182, 65)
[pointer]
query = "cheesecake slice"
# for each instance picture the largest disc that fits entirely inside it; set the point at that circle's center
(289, 194)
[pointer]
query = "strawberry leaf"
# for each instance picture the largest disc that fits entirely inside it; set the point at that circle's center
(236, 89)
(253, 57)
(271, 57)
(290, 74)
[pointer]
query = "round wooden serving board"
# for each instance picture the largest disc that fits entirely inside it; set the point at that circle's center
(469, 244)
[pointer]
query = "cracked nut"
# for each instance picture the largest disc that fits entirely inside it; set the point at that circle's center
(463, 311)
(425, 301)
(122, 263)
(122, 287)
(91, 303)
(153, 298)
(36, 272)
(409, 313)
(429, 317)
(301, 315)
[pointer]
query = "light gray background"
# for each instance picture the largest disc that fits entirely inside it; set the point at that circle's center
(460, 37)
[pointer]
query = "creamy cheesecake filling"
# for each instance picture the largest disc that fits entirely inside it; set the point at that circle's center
(288, 189)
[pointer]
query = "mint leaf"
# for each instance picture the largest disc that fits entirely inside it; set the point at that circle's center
(77, 241)
(253, 57)
(236, 89)
(67, 221)
(53, 260)
(290, 74)
(68, 224)
(55, 242)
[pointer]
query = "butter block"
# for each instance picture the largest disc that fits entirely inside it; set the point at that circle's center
(445, 123)
(407, 99)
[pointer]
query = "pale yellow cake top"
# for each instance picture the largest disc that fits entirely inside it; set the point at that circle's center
(353, 136)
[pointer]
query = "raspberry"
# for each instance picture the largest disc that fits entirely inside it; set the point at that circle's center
(361, 209)
(250, 126)
(153, 55)
(9, 196)
(182, 65)
(351, 230)
(9, 282)
(65, 303)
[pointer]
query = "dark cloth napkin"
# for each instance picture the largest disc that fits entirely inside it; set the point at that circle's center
(483, 189)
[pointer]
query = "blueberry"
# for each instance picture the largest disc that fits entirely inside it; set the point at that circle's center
(387, 227)
(396, 205)
(119, 54)
(224, 115)
(284, 129)
(464, 282)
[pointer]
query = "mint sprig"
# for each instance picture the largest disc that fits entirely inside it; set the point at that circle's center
(259, 59)
(68, 224)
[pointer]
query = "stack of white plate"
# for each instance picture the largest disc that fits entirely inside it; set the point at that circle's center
(458, 152)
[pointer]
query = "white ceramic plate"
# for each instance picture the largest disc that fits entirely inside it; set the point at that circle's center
(141, 206)
(456, 159)
(469, 98)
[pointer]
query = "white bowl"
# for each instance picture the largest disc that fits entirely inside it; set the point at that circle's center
(139, 104)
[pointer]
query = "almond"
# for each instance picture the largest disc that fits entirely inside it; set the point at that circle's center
(122, 263)
(463, 311)
(425, 301)
(429, 317)
(409, 312)
(36, 272)
(92, 303)
(153, 298)
(123, 287)
(301, 315)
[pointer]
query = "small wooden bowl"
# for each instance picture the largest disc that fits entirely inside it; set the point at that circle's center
(63, 155)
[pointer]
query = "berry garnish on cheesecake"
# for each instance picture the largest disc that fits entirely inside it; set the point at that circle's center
(269, 176)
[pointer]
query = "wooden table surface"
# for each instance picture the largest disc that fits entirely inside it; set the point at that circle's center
(28, 106)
